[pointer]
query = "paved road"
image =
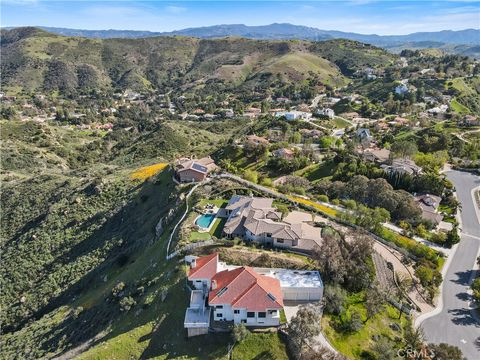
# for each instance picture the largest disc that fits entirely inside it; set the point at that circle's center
(455, 324)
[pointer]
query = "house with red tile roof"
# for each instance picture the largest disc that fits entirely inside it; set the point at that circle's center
(202, 270)
(227, 294)
(243, 296)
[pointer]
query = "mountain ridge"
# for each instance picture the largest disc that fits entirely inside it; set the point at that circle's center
(281, 31)
(35, 59)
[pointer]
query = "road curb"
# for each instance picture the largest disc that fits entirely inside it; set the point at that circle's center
(475, 205)
(438, 309)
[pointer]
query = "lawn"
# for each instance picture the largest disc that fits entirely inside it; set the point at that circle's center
(196, 236)
(459, 108)
(217, 228)
(262, 347)
(353, 345)
(340, 123)
(317, 171)
(221, 203)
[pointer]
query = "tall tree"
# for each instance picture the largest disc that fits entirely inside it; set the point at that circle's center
(304, 327)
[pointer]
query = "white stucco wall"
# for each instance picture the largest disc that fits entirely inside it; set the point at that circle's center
(228, 315)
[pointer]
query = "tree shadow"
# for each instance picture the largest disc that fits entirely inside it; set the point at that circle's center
(464, 296)
(463, 317)
(463, 277)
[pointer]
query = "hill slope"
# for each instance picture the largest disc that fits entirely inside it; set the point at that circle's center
(282, 31)
(75, 223)
(33, 59)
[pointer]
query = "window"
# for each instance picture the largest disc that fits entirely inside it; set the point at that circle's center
(280, 241)
(243, 321)
(236, 311)
(250, 314)
(269, 234)
(219, 307)
(262, 314)
(272, 312)
(219, 315)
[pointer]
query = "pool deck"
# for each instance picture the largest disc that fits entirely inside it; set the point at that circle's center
(215, 217)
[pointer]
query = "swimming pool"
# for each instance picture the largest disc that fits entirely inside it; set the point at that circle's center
(205, 220)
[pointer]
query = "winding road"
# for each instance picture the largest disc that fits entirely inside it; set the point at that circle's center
(454, 321)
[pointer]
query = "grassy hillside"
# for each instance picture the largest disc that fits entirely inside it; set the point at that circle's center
(33, 59)
(351, 56)
(75, 223)
(467, 95)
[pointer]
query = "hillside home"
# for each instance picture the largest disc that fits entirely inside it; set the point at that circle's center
(379, 156)
(402, 88)
(364, 135)
(429, 205)
(326, 112)
(350, 115)
(284, 153)
(311, 133)
(193, 170)
(470, 120)
(257, 140)
(255, 219)
(330, 101)
(442, 109)
(294, 115)
(252, 113)
(225, 295)
(402, 167)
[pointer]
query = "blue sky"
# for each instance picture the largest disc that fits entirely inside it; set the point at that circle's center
(362, 16)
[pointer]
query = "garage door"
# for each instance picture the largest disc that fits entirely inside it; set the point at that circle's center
(295, 295)
(307, 294)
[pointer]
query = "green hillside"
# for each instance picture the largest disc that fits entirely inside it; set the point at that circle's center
(74, 223)
(466, 93)
(351, 56)
(35, 60)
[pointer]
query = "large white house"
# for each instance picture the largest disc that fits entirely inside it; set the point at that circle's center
(326, 112)
(243, 295)
(294, 115)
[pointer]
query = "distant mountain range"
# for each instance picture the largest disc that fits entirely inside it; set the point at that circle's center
(285, 32)
(462, 42)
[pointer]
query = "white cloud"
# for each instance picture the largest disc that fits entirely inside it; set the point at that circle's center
(175, 9)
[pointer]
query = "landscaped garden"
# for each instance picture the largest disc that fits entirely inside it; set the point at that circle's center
(217, 226)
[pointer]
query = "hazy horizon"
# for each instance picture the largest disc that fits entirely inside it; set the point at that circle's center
(359, 16)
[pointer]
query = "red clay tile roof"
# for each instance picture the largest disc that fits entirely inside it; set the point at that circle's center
(244, 288)
(206, 267)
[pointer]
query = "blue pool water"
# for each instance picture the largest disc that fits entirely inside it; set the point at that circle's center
(205, 220)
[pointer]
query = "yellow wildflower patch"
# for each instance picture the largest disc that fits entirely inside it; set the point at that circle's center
(148, 171)
(325, 209)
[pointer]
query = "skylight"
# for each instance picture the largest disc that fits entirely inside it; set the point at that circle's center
(222, 291)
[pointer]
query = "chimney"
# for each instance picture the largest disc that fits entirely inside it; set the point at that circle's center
(214, 284)
(193, 264)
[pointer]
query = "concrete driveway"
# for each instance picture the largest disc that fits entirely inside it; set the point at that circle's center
(454, 322)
